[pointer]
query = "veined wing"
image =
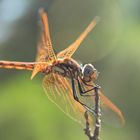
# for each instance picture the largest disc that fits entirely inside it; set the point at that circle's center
(111, 114)
(58, 90)
(68, 52)
(51, 53)
(45, 51)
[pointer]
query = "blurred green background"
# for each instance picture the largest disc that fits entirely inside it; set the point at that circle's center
(113, 47)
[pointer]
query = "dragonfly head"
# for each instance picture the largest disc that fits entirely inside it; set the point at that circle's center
(89, 73)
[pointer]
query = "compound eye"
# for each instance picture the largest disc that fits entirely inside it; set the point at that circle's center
(88, 70)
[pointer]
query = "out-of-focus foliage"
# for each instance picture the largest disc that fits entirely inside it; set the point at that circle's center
(25, 112)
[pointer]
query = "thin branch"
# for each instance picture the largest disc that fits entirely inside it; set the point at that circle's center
(96, 134)
(88, 129)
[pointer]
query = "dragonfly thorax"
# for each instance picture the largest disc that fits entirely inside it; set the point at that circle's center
(89, 73)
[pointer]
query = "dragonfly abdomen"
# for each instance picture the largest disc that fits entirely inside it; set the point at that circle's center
(17, 65)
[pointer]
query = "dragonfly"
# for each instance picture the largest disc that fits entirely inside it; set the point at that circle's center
(68, 84)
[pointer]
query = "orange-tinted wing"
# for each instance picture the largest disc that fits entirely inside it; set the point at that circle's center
(58, 90)
(111, 114)
(51, 53)
(45, 51)
(68, 52)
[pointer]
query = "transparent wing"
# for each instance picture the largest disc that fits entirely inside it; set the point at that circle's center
(58, 90)
(111, 114)
(69, 51)
(45, 52)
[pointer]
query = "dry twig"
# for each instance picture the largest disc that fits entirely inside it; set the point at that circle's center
(96, 134)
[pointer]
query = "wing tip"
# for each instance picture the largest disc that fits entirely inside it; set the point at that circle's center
(41, 11)
(97, 19)
(34, 74)
(122, 118)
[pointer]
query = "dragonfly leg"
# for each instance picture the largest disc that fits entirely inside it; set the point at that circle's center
(82, 92)
(76, 97)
